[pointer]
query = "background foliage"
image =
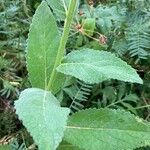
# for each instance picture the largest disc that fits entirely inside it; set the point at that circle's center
(118, 26)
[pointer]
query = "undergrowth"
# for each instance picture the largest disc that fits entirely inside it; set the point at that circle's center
(121, 27)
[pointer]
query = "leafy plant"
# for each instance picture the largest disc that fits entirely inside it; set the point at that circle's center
(109, 129)
(78, 93)
(41, 111)
(115, 96)
(14, 24)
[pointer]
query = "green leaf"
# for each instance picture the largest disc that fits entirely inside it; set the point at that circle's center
(107, 17)
(59, 7)
(4, 147)
(94, 66)
(43, 43)
(41, 113)
(107, 129)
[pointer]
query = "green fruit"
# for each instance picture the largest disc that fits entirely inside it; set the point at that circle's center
(88, 26)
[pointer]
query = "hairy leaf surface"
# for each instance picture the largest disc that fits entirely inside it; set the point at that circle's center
(41, 113)
(107, 129)
(43, 43)
(94, 66)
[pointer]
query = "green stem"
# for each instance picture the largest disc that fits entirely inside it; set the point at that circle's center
(141, 107)
(63, 41)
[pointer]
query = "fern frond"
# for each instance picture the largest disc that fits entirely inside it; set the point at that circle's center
(138, 37)
(81, 95)
(4, 63)
(120, 46)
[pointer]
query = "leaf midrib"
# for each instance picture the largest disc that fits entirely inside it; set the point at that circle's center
(85, 63)
(102, 129)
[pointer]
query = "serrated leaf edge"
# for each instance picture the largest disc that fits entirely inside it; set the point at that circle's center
(146, 143)
(103, 52)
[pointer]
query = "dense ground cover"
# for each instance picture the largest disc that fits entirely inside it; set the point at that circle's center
(120, 27)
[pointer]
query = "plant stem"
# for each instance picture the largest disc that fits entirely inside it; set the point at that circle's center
(141, 107)
(63, 41)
